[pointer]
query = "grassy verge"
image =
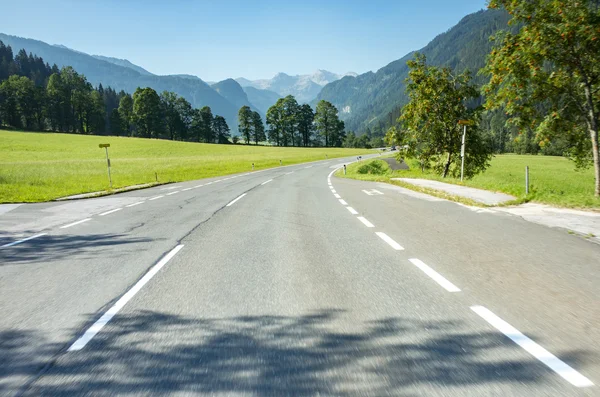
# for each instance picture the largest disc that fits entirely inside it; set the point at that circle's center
(553, 180)
(44, 166)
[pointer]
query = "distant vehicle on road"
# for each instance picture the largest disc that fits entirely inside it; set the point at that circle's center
(392, 148)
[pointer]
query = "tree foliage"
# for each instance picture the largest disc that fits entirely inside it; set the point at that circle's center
(431, 118)
(328, 125)
(35, 96)
(245, 123)
(546, 76)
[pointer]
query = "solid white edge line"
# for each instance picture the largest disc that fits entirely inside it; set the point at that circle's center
(75, 223)
(438, 278)
(110, 212)
(157, 197)
(172, 193)
(134, 204)
(343, 202)
(110, 313)
(390, 241)
(537, 351)
(352, 210)
(265, 182)
(236, 199)
(23, 240)
(365, 221)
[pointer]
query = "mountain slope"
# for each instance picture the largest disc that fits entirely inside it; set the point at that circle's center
(368, 99)
(124, 63)
(262, 99)
(304, 87)
(124, 78)
(233, 92)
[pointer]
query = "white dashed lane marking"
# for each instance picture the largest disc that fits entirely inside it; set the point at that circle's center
(438, 278)
(352, 210)
(106, 317)
(236, 199)
(75, 223)
(390, 241)
(23, 240)
(537, 351)
(365, 221)
(111, 211)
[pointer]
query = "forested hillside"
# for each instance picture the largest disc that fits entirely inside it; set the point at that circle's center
(371, 100)
(38, 97)
(98, 71)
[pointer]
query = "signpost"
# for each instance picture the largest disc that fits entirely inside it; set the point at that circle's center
(462, 146)
(106, 146)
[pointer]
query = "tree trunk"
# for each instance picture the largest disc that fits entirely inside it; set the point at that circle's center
(594, 136)
(593, 127)
(447, 165)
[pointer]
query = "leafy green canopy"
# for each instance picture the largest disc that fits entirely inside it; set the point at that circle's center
(431, 120)
(547, 75)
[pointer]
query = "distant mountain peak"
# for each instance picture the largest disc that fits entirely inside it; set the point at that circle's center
(304, 87)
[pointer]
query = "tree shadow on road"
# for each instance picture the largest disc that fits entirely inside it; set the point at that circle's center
(53, 247)
(154, 353)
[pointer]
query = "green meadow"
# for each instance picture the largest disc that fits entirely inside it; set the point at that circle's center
(44, 166)
(552, 180)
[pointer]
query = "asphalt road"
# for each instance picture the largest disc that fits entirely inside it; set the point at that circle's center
(268, 284)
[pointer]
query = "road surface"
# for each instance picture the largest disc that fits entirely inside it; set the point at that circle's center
(293, 282)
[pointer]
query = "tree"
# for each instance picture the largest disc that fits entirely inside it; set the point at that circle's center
(57, 106)
(350, 140)
(305, 120)
(173, 122)
(547, 75)
(393, 136)
(126, 114)
(115, 122)
(221, 129)
(94, 114)
(245, 123)
(258, 128)
(9, 104)
(186, 113)
(289, 113)
(275, 122)
(147, 113)
(432, 115)
(207, 124)
(328, 125)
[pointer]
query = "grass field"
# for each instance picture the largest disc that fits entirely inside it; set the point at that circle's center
(44, 166)
(553, 180)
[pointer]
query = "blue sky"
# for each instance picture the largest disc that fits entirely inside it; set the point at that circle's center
(219, 39)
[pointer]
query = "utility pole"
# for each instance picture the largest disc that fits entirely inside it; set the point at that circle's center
(106, 146)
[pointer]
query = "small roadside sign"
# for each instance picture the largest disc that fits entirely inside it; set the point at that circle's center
(104, 145)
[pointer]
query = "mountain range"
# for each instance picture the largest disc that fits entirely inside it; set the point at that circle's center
(304, 88)
(371, 100)
(224, 97)
(366, 101)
